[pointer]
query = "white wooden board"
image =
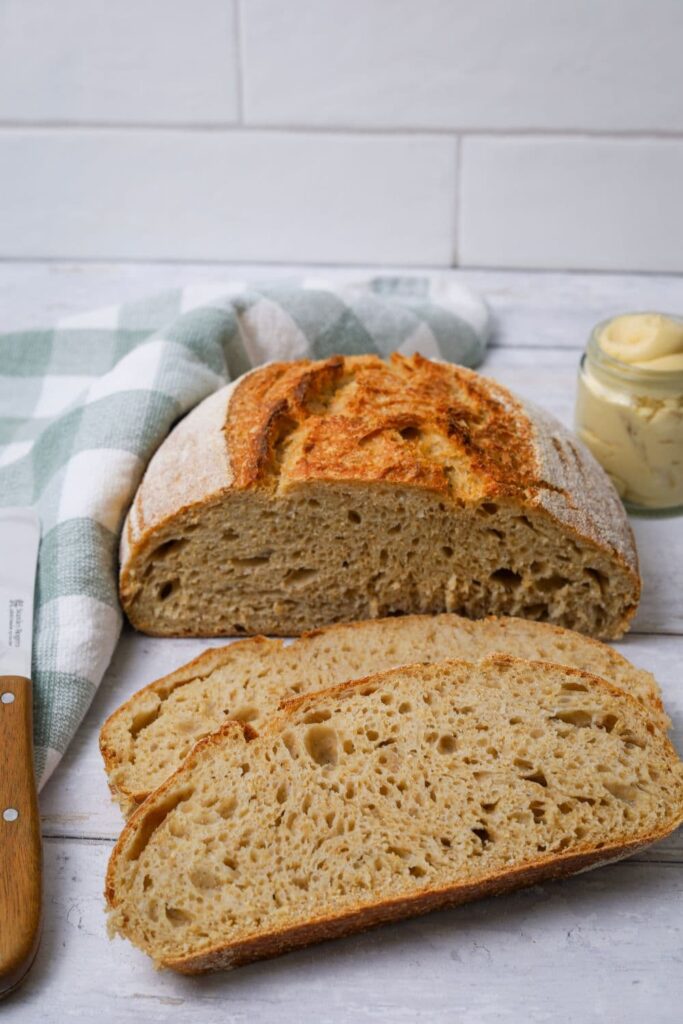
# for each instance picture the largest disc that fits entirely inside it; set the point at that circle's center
(606, 946)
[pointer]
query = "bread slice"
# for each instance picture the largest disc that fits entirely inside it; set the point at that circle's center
(351, 488)
(150, 735)
(416, 788)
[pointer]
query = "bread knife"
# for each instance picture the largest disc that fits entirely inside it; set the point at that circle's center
(20, 845)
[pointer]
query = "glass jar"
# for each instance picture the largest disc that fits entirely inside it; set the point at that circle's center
(631, 418)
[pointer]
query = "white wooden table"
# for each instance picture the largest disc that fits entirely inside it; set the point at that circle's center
(606, 946)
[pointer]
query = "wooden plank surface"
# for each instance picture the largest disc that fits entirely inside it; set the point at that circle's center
(606, 946)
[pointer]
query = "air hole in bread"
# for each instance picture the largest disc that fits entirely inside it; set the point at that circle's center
(599, 578)
(154, 819)
(627, 794)
(580, 719)
(353, 517)
(483, 835)
(168, 548)
(245, 713)
(166, 589)
(409, 433)
(281, 794)
(321, 744)
(446, 744)
(203, 878)
(177, 916)
(142, 720)
(226, 808)
(550, 584)
(537, 777)
(252, 561)
(537, 809)
(301, 575)
(574, 688)
(507, 577)
(537, 612)
(315, 717)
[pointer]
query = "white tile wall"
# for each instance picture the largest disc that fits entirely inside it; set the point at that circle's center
(572, 203)
(227, 196)
(465, 64)
(327, 130)
(112, 61)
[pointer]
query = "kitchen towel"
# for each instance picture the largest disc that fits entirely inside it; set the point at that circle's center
(84, 405)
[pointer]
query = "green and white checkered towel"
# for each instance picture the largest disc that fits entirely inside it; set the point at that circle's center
(84, 405)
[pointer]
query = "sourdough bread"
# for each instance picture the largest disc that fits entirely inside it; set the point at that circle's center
(150, 735)
(351, 488)
(413, 789)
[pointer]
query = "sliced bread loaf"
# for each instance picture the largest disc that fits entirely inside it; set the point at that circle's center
(150, 735)
(416, 788)
(351, 488)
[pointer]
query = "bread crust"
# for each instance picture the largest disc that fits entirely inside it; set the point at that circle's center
(364, 916)
(360, 420)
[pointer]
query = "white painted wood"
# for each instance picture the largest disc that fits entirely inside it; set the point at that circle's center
(604, 204)
(136, 61)
(227, 195)
(589, 949)
(606, 946)
(455, 64)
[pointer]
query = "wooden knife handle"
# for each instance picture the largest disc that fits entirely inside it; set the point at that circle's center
(20, 846)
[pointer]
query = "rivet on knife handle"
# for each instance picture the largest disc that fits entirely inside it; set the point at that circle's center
(20, 847)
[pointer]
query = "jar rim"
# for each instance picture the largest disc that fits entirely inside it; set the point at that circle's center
(628, 371)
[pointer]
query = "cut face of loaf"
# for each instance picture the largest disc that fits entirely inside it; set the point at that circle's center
(413, 789)
(150, 735)
(350, 488)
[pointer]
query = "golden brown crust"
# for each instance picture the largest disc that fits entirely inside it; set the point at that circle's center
(409, 421)
(357, 419)
(364, 916)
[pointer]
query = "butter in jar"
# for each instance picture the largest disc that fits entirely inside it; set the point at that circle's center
(629, 407)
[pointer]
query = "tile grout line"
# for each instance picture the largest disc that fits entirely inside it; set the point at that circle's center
(302, 128)
(105, 261)
(239, 60)
(457, 202)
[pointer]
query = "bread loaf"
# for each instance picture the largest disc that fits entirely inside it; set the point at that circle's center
(351, 488)
(413, 789)
(150, 735)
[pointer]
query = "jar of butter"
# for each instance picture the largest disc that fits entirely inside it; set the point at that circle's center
(629, 408)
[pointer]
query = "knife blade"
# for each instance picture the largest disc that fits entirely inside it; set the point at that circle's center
(20, 845)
